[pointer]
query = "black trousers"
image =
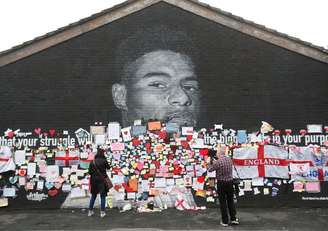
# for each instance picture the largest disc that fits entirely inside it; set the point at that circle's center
(225, 191)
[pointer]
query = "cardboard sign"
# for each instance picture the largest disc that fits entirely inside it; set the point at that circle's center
(3, 202)
(154, 125)
(97, 130)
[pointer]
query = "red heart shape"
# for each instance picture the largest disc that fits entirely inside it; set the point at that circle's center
(52, 132)
(288, 131)
(203, 152)
(201, 179)
(303, 132)
(125, 132)
(52, 192)
(37, 131)
(11, 134)
(22, 172)
(276, 132)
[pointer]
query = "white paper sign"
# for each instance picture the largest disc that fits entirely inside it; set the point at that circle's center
(247, 185)
(66, 187)
(20, 157)
(40, 185)
(258, 181)
(126, 134)
(9, 192)
(100, 139)
(77, 193)
(21, 180)
(31, 169)
(314, 128)
(145, 185)
(114, 131)
(52, 173)
(187, 131)
(170, 182)
(118, 179)
(160, 182)
(299, 168)
(131, 195)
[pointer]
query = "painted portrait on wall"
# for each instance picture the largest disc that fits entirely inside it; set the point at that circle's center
(163, 63)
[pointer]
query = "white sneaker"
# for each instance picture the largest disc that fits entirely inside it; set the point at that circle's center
(90, 213)
(235, 222)
(102, 214)
(223, 224)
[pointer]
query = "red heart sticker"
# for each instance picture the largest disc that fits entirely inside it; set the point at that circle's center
(303, 132)
(11, 134)
(52, 192)
(203, 152)
(276, 132)
(22, 172)
(37, 131)
(288, 131)
(201, 179)
(52, 132)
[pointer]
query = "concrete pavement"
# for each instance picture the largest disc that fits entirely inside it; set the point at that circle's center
(171, 219)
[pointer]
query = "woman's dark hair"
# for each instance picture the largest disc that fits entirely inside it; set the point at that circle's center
(100, 153)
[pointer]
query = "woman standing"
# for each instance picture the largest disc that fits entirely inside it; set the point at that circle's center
(97, 171)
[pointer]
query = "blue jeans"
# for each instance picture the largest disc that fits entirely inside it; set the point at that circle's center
(102, 201)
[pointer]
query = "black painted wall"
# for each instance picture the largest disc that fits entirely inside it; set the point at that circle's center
(244, 80)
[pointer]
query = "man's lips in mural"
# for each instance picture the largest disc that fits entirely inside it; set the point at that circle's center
(181, 118)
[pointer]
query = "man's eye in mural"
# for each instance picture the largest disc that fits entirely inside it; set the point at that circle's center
(191, 87)
(159, 85)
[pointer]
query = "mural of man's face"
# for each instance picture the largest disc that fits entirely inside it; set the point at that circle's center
(161, 85)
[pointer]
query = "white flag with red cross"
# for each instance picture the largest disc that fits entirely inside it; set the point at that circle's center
(6, 160)
(315, 157)
(67, 158)
(260, 161)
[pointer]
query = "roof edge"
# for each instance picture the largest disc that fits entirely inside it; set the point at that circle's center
(130, 6)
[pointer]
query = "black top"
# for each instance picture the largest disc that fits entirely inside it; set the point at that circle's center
(97, 181)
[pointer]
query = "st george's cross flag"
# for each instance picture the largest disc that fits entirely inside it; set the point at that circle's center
(315, 157)
(67, 157)
(260, 161)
